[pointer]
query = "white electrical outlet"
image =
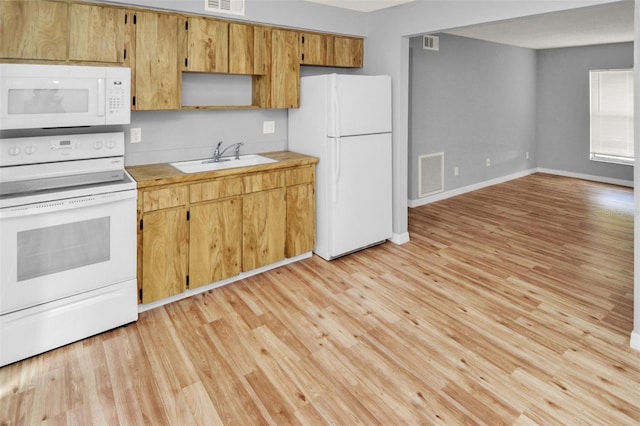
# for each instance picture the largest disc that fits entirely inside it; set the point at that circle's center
(456, 171)
(268, 127)
(136, 135)
(526, 155)
(488, 162)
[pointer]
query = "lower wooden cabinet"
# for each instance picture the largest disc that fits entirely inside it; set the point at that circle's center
(263, 228)
(165, 235)
(201, 232)
(301, 220)
(215, 243)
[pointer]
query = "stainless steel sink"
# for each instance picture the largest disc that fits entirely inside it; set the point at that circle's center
(206, 165)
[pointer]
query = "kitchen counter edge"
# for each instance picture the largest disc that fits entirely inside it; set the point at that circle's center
(149, 175)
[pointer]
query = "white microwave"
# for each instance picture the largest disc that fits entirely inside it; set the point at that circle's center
(44, 96)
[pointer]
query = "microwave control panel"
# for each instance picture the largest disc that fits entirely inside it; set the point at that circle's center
(118, 96)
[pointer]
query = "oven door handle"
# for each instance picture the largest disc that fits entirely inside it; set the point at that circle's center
(67, 204)
(101, 97)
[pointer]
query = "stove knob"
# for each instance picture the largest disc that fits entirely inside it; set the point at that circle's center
(98, 145)
(111, 144)
(14, 150)
(30, 150)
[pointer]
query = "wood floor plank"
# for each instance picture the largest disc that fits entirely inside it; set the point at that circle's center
(512, 304)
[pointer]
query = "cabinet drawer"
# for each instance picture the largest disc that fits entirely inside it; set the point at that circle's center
(158, 199)
(299, 176)
(219, 188)
(263, 181)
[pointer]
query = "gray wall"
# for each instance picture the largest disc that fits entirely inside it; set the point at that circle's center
(472, 100)
(286, 13)
(387, 52)
(563, 107)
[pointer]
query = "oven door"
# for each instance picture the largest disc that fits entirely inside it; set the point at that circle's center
(61, 248)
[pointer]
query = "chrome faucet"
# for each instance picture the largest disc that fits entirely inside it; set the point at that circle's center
(217, 154)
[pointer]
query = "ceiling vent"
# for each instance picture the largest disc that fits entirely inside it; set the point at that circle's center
(431, 42)
(234, 7)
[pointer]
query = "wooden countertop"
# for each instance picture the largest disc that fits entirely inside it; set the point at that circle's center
(149, 175)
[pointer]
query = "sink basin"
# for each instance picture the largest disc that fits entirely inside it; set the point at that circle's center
(207, 165)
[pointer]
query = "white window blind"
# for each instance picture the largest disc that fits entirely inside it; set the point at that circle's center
(611, 116)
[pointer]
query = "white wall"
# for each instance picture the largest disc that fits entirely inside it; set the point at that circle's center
(635, 335)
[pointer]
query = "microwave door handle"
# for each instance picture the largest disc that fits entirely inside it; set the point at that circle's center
(101, 97)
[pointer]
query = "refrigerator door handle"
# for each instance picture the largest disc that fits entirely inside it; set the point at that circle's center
(336, 171)
(336, 123)
(336, 109)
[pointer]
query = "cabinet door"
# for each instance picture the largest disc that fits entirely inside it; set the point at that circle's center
(96, 33)
(157, 75)
(314, 50)
(207, 46)
(263, 228)
(285, 69)
(164, 253)
(301, 220)
(34, 30)
(215, 241)
(261, 91)
(348, 52)
(247, 44)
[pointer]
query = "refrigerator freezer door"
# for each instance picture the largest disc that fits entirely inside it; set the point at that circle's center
(359, 197)
(358, 105)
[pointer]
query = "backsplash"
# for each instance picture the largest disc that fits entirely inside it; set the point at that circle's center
(185, 135)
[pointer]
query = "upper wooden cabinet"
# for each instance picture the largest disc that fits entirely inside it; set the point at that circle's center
(34, 30)
(97, 33)
(207, 46)
(348, 52)
(247, 49)
(330, 50)
(157, 75)
(316, 49)
(285, 69)
(159, 46)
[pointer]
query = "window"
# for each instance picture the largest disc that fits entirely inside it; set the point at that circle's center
(611, 116)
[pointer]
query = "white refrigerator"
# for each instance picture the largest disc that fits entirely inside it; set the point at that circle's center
(345, 121)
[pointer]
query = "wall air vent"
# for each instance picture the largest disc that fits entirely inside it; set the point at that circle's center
(431, 42)
(234, 7)
(431, 174)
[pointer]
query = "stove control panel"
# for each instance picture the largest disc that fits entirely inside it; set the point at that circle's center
(49, 149)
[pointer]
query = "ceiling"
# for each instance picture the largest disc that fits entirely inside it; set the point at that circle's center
(602, 24)
(362, 5)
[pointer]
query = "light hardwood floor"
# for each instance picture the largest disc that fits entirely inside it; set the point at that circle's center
(510, 305)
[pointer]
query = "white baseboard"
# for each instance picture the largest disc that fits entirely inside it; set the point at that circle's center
(400, 239)
(594, 178)
(192, 292)
(459, 191)
(635, 339)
